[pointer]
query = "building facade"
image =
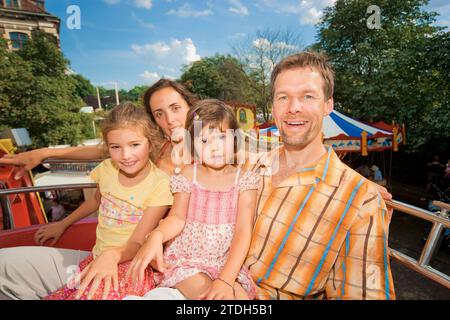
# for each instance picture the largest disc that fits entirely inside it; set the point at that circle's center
(19, 18)
(245, 114)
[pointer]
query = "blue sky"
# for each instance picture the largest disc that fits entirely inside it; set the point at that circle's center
(135, 42)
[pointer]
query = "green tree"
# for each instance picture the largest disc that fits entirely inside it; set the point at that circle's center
(36, 93)
(83, 87)
(220, 77)
(397, 72)
(137, 93)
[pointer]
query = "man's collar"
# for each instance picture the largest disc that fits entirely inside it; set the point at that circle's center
(328, 169)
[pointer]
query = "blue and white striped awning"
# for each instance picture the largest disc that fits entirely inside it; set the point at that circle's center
(336, 124)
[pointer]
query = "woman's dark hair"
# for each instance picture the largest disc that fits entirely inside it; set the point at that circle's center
(188, 96)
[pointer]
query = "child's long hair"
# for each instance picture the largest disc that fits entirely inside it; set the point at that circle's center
(213, 113)
(129, 116)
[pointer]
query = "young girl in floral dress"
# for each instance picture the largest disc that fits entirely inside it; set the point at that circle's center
(132, 196)
(208, 229)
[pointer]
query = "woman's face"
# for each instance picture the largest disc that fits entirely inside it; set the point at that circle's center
(169, 110)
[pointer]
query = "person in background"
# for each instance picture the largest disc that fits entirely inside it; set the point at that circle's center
(435, 169)
(57, 210)
(376, 173)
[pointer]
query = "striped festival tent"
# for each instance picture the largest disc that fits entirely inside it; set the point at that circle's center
(345, 134)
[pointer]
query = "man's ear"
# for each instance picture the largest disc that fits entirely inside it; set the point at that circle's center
(329, 106)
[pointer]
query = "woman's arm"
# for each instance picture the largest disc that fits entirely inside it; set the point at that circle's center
(223, 287)
(30, 159)
(55, 230)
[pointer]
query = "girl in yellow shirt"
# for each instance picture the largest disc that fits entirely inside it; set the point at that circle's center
(132, 196)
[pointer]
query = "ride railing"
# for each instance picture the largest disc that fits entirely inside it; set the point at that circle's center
(439, 221)
(421, 266)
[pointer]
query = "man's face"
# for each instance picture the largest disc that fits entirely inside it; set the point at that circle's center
(299, 106)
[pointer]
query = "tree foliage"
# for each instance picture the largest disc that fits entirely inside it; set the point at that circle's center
(83, 87)
(399, 72)
(37, 94)
(220, 77)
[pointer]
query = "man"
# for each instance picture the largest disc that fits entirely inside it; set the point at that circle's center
(321, 230)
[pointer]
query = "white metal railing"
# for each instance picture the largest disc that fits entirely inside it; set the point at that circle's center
(422, 265)
(439, 223)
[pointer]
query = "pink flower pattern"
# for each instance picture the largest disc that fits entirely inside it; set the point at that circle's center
(116, 212)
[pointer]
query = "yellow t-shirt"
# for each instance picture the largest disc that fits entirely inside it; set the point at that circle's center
(121, 208)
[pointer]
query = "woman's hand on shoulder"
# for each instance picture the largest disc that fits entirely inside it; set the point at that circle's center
(24, 161)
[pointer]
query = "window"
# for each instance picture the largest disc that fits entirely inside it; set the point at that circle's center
(11, 3)
(242, 116)
(18, 39)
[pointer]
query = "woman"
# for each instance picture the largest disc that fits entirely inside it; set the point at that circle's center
(167, 103)
(34, 272)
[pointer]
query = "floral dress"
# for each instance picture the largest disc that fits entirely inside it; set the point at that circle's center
(204, 244)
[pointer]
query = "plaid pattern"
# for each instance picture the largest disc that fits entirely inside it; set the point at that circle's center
(320, 234)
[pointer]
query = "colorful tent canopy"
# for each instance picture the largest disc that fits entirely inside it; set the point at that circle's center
(345, 134)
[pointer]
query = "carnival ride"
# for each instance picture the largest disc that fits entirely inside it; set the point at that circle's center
(21, 211)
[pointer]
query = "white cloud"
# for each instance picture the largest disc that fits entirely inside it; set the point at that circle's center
(141, 22)
(168, 56)
(186, 11)
(443, 8)
(264, 44)
(183, 51)
(158, 48)
(111, 1)
(164, 68)
(309, 11)
(238, 8)
(146, 4)
(150, 77)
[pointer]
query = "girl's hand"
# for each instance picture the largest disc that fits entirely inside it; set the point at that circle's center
(23, 161)
(52, 230)
(219, 290)
(151, 250)
(103, 268)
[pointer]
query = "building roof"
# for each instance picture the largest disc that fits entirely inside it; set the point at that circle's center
(27, 7)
